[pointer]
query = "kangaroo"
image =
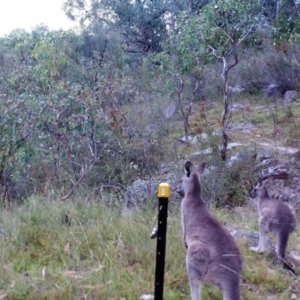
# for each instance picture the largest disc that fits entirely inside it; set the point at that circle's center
(212, 256)
(275, 216)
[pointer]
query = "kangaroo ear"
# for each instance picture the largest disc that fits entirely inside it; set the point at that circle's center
(201, 168)
(260, 181)
(188, 168)
(266, 181)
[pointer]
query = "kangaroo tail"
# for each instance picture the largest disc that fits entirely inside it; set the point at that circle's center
(282, 241)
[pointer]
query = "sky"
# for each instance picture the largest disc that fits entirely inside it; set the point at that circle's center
(27, 14)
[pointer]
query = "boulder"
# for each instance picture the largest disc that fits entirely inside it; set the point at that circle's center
(236, 90)
(251, 237)
(289, 96)
(169, 112)
(194, 139)
(140, 192)
(3, 233)
(274, 91)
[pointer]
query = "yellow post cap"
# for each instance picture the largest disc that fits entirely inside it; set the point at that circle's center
(164, 190)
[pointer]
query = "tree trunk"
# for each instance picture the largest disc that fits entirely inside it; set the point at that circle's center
(225, 111)
(278, 8)
(5, 197)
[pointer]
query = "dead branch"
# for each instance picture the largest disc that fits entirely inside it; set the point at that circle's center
(79, 180)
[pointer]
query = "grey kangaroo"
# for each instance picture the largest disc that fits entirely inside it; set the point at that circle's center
(213, 256)
(275, 216)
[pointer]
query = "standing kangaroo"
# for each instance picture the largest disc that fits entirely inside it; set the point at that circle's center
(212, 256)
(274, 216)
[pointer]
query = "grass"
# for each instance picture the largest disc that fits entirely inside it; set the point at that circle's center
(92, 250)
(103, 253)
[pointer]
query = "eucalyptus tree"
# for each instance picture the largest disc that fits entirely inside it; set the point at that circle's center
(16, 127)
(216, 33)
(223, 28)
(285, 22)
(140, 22)
(144, 25)
(273, 8)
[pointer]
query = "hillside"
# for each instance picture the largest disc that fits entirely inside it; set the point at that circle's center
(90, 249)
(93, 119)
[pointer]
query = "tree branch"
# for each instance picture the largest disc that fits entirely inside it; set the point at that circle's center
(79, 180)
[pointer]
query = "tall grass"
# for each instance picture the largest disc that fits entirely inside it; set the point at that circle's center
(85, 250)
(98, 252)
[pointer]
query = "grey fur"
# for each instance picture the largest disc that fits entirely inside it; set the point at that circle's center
(213, 256)
(274, 216)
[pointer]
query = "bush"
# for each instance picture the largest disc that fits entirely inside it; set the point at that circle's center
(228, 186)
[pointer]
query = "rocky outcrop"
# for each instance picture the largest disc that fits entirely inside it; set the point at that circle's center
(140, 192)
(289, 97)
(274, 91)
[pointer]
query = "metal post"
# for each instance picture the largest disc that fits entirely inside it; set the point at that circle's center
(163, 196)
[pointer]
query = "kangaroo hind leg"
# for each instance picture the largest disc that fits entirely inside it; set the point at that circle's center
(197, 263)
(196, 287)
(262, 238)
(232, 291)
(194, 280)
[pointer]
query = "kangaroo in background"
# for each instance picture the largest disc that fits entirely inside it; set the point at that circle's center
(274, 216)
(213, 256)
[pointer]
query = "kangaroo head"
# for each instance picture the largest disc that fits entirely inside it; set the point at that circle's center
(191, 178)
(260, 189)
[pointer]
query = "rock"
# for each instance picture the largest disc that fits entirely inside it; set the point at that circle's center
(289, 96)
(236, 90)
(276, 172)
(295, 256)
(170, 111)
(293, 296)
(241, 127)
(147, 297)
(237, 158)
(3, 233)
(245, 156)
(140, 192)
(169, 173)
(194, 139)
(199, 154)
(274, 91)
(164, 168)
(263, 154)
(251, 237)
(284, 198)
(144, 192)
(209, 151)
(239, 107)
(290, 151)
(268, 162)
(234, 145)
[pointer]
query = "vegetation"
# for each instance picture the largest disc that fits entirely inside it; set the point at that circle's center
(79, 109)
(86, 113)
(97, 253)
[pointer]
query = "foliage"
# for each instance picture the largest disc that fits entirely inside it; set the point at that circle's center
(16, 127)
(217, 31)
(84, 113)
(100, 254)
(141, 23)
(87, 109)
(285, 30)
(277, 64)
(144, 25)
(69, 91)
(49, 59)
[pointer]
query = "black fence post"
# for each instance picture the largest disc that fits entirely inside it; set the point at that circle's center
(163, 197)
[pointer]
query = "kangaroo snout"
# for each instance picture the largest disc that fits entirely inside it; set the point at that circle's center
(252, 193)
